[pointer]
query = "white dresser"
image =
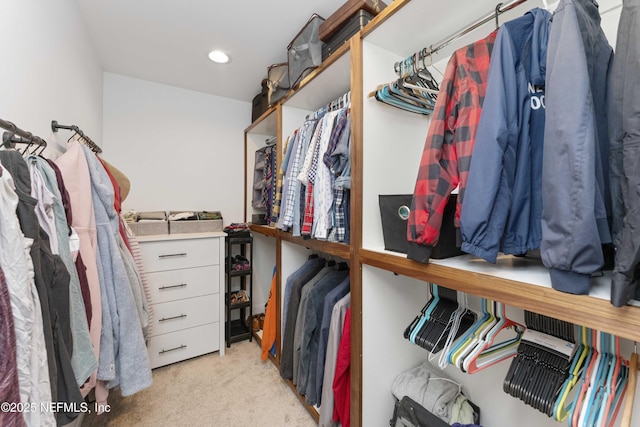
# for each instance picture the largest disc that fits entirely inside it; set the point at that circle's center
(185, 273)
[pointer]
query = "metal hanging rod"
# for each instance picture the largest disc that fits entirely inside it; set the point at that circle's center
(499, 9)
(23, 136)
(92, 145)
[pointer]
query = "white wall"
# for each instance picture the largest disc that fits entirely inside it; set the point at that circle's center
(182, 150)
(49, 71)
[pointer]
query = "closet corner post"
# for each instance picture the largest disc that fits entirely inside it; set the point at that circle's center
(245, 189)
(357, 91)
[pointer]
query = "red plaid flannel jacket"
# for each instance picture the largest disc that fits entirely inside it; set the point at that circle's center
(447, 151)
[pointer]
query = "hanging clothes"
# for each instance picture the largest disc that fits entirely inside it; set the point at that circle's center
(291, 301)
(321, 335)
(575, 185)
(52, 282)
(336, 327)
(9, 385)
(30, 346)
(139, 267)
(74, 243)
(83, 361)
(342, 379)
(447, 152)
(624, 131)
(123, 357)
(311, 309)
(299, 322)
(269, 329)
(77, 179)
(503, 200)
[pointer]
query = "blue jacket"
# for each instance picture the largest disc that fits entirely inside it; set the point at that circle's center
(503, 200)
(575, 186)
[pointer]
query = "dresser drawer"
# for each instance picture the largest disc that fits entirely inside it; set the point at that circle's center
(175, 254)
(180, 284)
(181, 345)
(186, 313)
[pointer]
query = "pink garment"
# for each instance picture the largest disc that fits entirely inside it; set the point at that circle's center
(75, 171)
(342, 379)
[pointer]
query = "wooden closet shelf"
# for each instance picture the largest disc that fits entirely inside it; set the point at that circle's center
(519, 282)
(263, 229)
(331, 248)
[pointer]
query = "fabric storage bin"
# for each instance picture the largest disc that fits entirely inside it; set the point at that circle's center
(394, 212)
(156, 224)
(184, 226)
(133, 226)
(209, 225)
(305, 50)
(152, 227)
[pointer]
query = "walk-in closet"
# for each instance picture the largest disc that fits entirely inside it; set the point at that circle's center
(433, 223)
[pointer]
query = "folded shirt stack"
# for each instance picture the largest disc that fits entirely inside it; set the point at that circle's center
(152, 216)
(183, 216)
(207, 215)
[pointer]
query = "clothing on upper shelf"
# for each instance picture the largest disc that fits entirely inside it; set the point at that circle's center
(576, 207)
(624, 131)
(316, 179)
(503, 200)
(447, 152)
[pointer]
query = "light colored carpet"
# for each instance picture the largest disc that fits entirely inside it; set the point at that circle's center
(237, 389)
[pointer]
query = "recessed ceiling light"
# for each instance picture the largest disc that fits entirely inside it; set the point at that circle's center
(218, 56)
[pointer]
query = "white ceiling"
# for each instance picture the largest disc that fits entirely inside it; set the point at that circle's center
(167, 41)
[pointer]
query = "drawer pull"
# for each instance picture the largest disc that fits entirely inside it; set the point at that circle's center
(181, 285)
(172, 349)
(172, 255)
(171, 318)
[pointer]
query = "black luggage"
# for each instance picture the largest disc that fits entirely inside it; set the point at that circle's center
(346, 31)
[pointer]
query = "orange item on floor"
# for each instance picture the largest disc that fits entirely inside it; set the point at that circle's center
(269, 328)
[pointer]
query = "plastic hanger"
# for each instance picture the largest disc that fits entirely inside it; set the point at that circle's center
(615, 387)
(562, 412)
(581, 409)
(467, 337)
(586, 374)
(633, 376)
(593, 404)
(486, 352)
(477, 336)
(427, 314)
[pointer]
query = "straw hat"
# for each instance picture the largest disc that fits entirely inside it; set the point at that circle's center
(121, 178)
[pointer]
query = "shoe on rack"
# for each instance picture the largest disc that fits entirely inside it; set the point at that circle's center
(242, 296)
(242, 262)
